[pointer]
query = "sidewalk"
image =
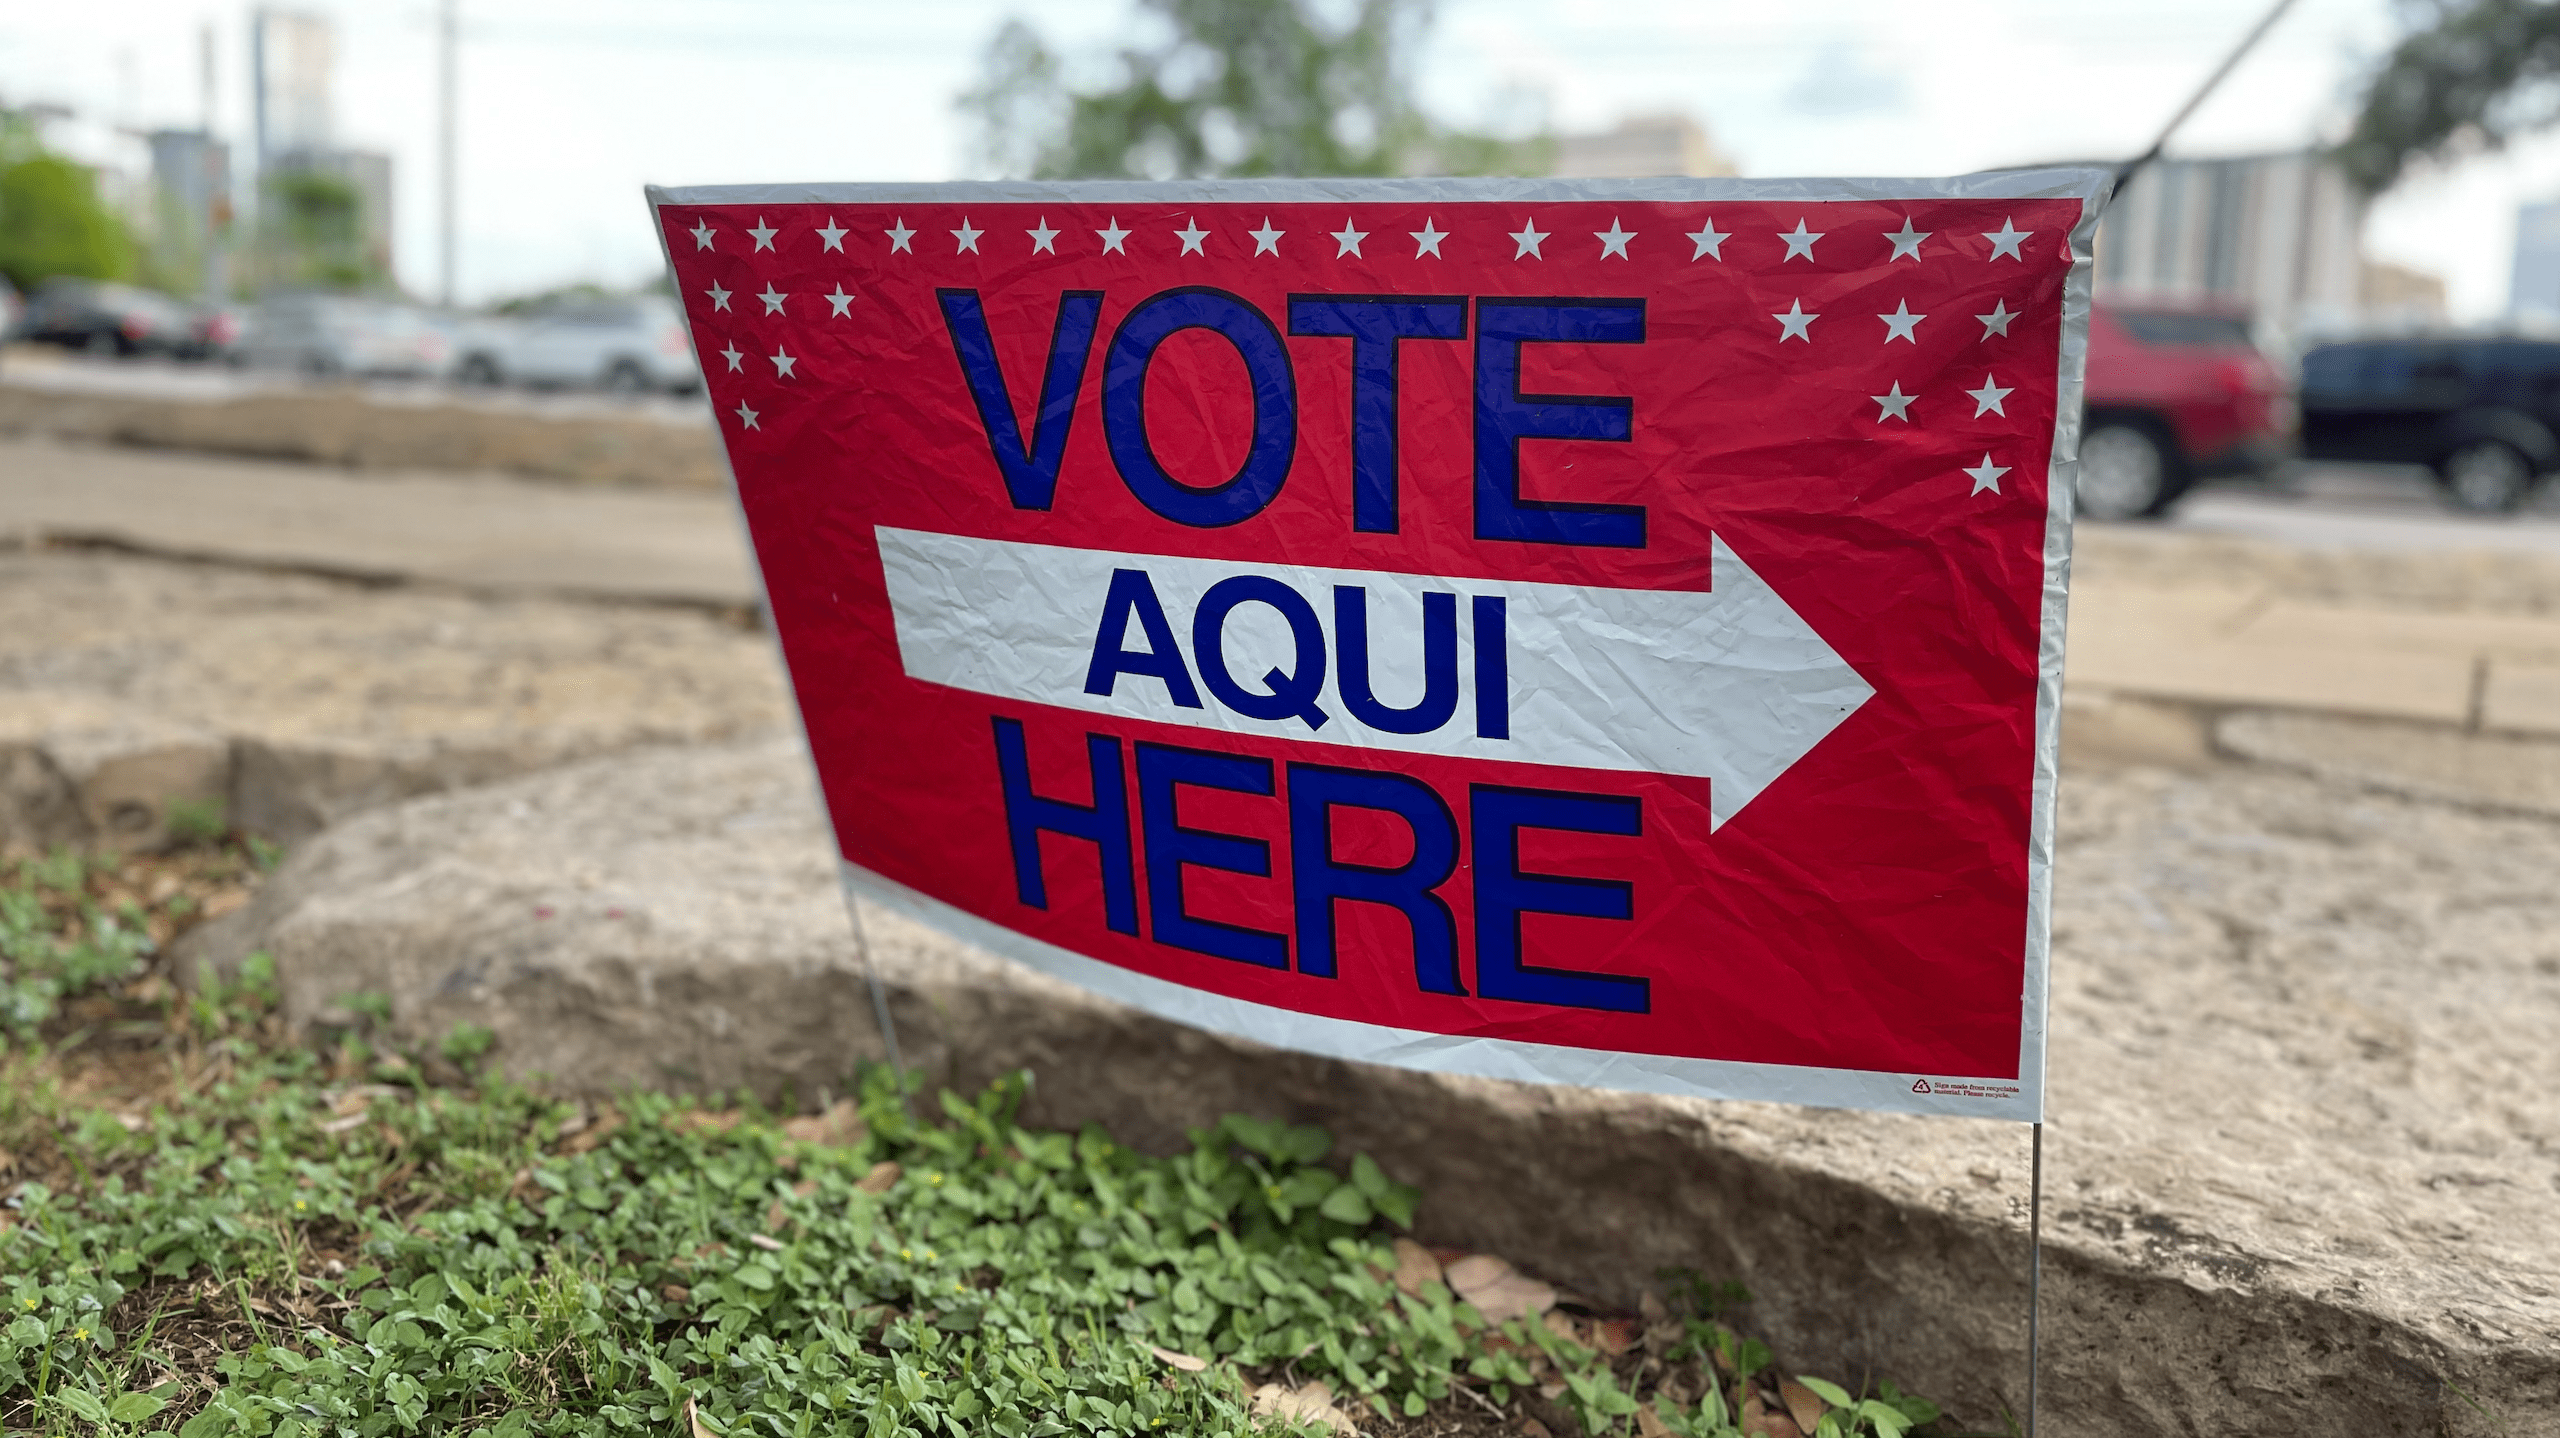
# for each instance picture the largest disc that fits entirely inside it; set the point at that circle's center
(475, 532)
(2223, 641)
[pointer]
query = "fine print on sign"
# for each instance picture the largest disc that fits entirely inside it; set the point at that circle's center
(1599, 632)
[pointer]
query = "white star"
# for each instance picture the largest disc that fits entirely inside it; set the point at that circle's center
(782, 363)
(1795, 324)
(772, 298)
(1896, 405)
(1997, 322)
(1800, 244)
(746, 416)
(1266, 241)
(833, 234)
(1426, 241)
(702, 233)
(1528, 237)
(1986, 400)
(1192, 238)
(732, 355)
(1906, 242)
(1613, 240)
(1710, 242)
(899, 235)
(1044, 241)
(2006, 239)
(719, 297)
(1349, 239)
(840, 300)
(1112, 236)
(1986, 475)
(1902, 324)
(967, 236)
(764, 234)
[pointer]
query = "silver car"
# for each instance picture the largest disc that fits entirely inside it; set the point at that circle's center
(626, 346)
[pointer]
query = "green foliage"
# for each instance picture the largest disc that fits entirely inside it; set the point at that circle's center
(280, 1248)
(197, 821)
(52, 221)
(54, 944)
(2468, 70)
(317, 234)
(1236, 87)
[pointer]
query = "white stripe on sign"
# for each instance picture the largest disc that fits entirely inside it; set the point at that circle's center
(1729, 685)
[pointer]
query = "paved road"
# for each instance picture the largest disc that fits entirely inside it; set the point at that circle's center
(2360, 507)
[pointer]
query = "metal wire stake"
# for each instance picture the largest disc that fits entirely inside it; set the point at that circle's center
(879, 994)
(2035, 1267)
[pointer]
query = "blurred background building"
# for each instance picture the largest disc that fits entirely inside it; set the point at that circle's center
(1660, 144)
(324, 211)
(2280, 235)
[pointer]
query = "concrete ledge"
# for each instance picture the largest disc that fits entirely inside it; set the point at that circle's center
(342, 427)
(2302, 1167)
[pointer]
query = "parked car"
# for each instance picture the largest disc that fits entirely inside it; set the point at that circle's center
(2174, 395)
(327, 335)
(106, 319)
(12, 310)
(213, 332)
(628, 346)
(2482, 413)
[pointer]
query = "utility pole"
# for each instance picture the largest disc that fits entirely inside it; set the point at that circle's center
(445, 27)
(215, 222)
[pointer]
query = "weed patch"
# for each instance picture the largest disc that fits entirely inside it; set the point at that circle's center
(246, 1237)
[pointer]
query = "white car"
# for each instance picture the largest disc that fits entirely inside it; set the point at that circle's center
(627, 346)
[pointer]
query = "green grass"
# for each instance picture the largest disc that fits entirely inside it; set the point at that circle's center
(216, 1232)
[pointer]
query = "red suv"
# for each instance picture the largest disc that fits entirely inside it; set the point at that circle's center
(2174, 395)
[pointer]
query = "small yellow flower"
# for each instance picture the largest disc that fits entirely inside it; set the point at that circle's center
(933, 1178)
(906, 1253)
(928, 1255)
(79, 1335)
(299, 1205)
(31, 1305)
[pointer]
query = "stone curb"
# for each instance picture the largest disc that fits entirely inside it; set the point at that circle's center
(701, 944)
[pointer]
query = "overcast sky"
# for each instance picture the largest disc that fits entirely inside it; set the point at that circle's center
(569, 106)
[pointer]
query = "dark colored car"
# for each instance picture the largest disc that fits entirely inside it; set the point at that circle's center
(2482, 413)
(105, 318)
(2174, 395)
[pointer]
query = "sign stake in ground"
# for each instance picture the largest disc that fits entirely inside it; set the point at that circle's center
(1591, 632)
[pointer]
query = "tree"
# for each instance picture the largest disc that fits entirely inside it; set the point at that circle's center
(1238, 87)
(2469, 70)
(51, 219)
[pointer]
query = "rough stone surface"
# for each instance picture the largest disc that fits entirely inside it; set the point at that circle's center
(129, 684)
(2304, 1172)
(2493, 771)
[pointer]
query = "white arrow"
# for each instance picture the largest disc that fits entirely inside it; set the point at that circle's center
(1729, 685)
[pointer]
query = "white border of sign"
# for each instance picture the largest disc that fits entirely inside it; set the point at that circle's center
(1974, 1096)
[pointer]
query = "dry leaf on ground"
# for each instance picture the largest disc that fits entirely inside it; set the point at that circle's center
(694, 1120)
(766, 1242)
(1312, 1403)
(1534, 1429)
(1803, 1404)
(1183, 1361)
(693, 1422)
(882, 1177)
(1649, 1424)
(594, 1132)
(1415, 1266)
(841, 1124)
(1498, 1291)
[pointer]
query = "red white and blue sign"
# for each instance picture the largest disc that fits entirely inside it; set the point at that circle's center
(1597, 632)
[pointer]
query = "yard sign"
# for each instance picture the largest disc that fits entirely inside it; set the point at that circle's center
(1599, 632)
